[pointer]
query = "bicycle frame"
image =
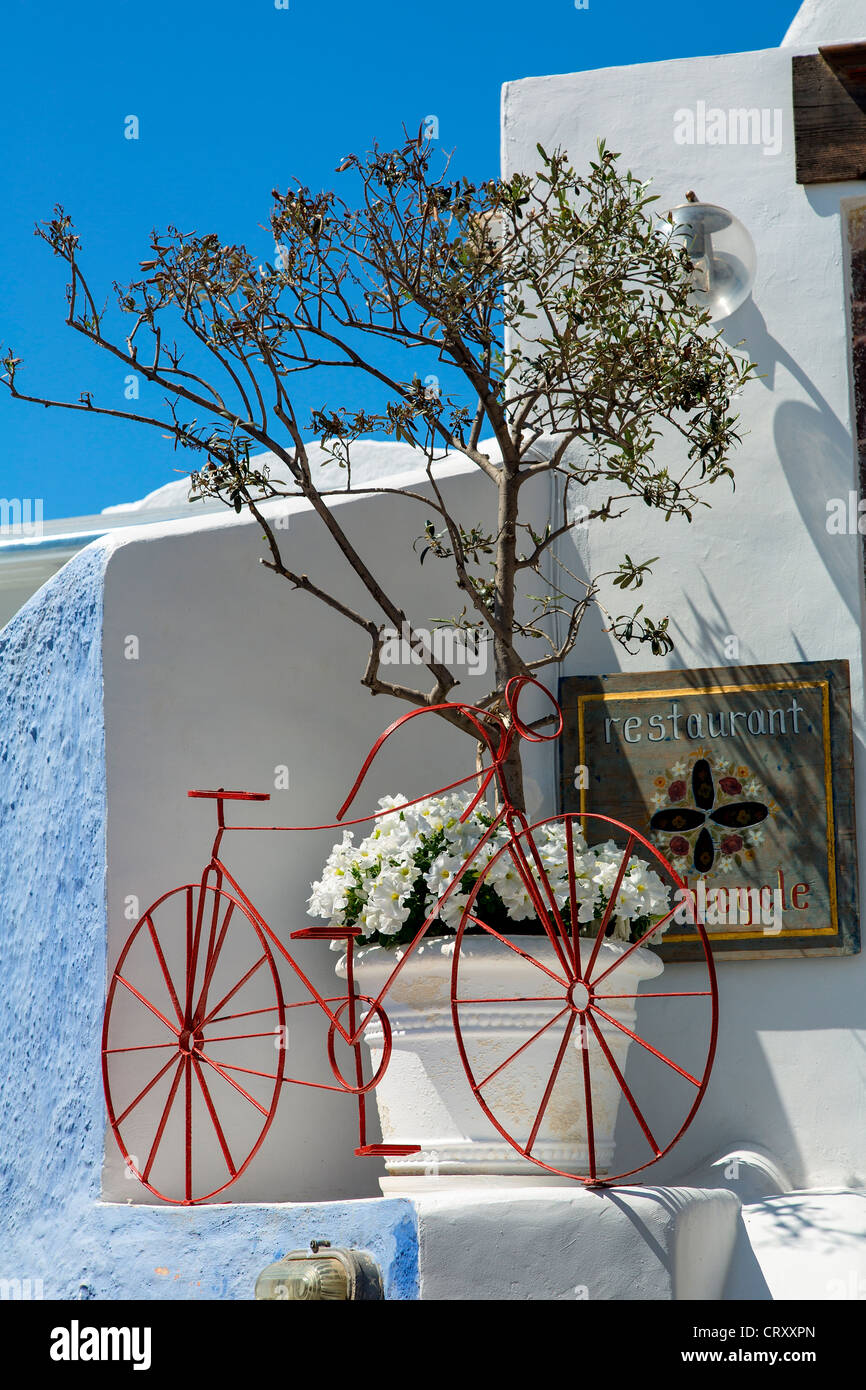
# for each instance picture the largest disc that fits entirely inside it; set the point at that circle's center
(352, 1013)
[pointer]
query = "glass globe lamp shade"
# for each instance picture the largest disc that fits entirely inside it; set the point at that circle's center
(722, 254)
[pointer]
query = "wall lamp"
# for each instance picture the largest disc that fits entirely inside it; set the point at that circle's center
(722, 253)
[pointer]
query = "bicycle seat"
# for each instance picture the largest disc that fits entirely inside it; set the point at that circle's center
(222, 795)
(387, 1150)
(326, 934)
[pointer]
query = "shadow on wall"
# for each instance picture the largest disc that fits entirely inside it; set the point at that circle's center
(713, 627)
(752, 1106)
(760, 1086)
(815, 451)
(814, 447)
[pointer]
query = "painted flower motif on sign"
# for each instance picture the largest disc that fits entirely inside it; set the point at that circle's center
(709, 815)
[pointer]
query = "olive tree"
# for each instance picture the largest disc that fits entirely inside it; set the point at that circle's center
(568, 339)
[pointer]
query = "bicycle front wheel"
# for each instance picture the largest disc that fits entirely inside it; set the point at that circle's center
(574, 1050)
(193, 1044)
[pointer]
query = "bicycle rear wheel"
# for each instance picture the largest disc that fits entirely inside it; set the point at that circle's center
(193, 1044)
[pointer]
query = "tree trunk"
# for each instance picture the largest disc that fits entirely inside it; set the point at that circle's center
(512, 775)
(506, 660)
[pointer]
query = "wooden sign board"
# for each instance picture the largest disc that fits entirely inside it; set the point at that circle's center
(744, 779)
(829, 89)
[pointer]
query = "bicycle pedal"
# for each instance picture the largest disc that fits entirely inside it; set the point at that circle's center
(326, 934)
(387, 1150)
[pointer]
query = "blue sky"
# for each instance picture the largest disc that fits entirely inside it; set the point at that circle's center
(234, 99)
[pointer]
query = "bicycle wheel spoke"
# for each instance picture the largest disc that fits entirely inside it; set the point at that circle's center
(296, 1081)
(596, 947)
(657, 926)
(516, 949)
(213, 955)
(572, 896)
(611, 1060)
(569, 1027)
(587, 1093)
(187, 1079)
(189, 936)
(232, 992)
(671, 994)
(654, 1050)
(141, 1095)
(223, 1073)
(147, 1004)
(140, 1047)
(563, 937)
(522, 1048)
(551, 898)
(163, 1120)
(238, 1037)
(213, 1114)
(518, 857)
(248, 1013)
(268, 1075)
(164, 968)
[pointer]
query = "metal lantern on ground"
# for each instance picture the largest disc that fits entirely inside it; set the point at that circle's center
(321, 1275)
(722, 253)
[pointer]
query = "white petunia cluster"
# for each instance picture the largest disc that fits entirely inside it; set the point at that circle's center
(414, 854)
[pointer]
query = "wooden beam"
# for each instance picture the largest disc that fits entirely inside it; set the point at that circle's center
(830, 114)
(848, 61)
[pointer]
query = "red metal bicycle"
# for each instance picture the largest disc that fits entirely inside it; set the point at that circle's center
(191, 1071)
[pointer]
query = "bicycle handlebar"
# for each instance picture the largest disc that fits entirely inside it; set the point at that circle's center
(499, 751)
(222, 795)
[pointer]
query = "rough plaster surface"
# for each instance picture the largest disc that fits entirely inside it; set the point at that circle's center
(52, 890)
(825, 21)
(554, 1243)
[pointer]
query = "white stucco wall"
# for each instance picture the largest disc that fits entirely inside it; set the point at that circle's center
(237, 674)
(759, 566)
(825, 21)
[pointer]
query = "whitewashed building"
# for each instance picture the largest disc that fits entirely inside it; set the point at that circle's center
(162, 657)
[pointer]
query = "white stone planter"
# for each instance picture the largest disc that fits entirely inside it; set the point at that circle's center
(425, 1097)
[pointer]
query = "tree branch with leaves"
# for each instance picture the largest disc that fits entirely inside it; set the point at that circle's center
(562, 317)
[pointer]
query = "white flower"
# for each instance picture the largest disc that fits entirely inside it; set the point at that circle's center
(381, 873)
(442, 872)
